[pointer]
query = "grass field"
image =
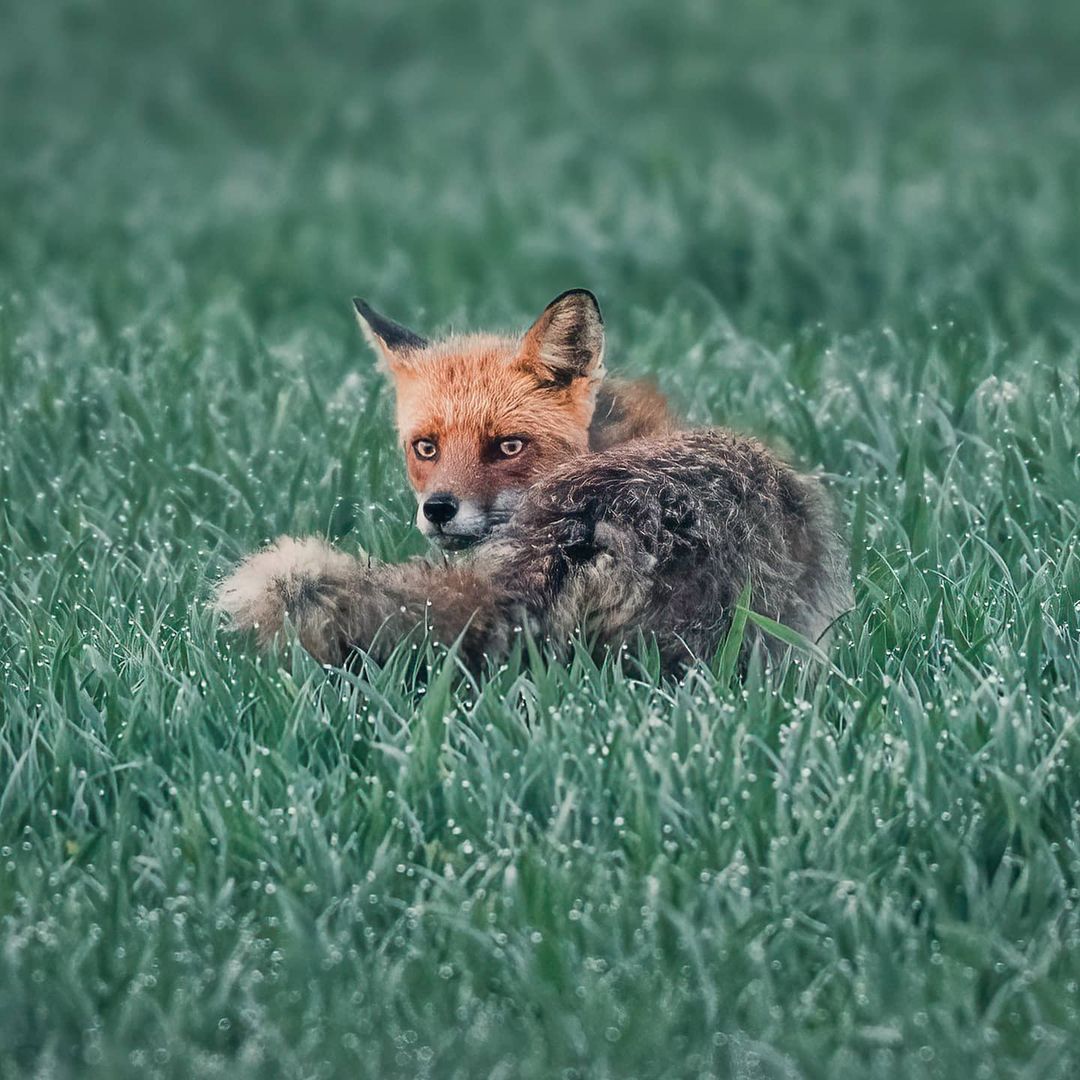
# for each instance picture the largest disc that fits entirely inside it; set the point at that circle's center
(853, 228)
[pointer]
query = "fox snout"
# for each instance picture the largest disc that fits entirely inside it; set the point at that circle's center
(440, 508)
(453, 522)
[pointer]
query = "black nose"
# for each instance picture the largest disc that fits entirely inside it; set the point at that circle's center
(440, 507)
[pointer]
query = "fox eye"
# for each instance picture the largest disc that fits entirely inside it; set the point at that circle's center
(511, 447)
(425, 448)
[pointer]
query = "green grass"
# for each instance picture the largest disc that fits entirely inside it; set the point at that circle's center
(852, 228)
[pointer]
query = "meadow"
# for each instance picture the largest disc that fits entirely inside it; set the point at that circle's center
(852, 228)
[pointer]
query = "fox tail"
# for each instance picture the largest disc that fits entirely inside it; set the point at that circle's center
(298, 579)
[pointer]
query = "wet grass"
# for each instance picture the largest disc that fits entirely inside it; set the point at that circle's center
(853, 231)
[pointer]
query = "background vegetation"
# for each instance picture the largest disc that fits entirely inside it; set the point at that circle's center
(852, 227)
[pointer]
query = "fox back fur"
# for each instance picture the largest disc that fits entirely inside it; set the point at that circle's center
(582, 506)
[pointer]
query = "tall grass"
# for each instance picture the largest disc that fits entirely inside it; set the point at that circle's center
(851, 230)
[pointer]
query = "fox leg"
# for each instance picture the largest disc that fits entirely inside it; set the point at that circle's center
(338, 603)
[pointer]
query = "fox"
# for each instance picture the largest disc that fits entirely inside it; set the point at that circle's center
(564, 503)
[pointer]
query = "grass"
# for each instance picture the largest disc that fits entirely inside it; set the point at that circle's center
(849, 227)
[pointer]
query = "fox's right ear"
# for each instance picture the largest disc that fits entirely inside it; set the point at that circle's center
(393, 344)
(567, 341)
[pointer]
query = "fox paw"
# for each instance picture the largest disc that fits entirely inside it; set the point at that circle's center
(612, 544)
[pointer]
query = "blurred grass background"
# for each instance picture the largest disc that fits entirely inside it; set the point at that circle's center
(852, 227)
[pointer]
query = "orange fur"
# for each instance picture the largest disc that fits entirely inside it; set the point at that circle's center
(461, 398)
(469, 392)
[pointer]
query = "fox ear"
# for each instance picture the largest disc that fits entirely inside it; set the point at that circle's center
(392, 343)
(567, 341)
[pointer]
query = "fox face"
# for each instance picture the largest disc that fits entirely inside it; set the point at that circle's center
(481, 416)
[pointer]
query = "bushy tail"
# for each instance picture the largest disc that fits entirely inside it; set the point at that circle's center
(337, 603)
(305, 580)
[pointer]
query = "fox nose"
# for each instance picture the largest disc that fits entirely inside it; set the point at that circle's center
(440, 507)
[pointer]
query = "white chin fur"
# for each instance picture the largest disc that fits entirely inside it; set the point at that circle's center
(472, 522)
(469, 523)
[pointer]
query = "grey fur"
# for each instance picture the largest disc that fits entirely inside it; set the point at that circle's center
(658, 535)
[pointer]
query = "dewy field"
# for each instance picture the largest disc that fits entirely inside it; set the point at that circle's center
(852, 228)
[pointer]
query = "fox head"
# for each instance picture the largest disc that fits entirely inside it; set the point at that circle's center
(482, 416)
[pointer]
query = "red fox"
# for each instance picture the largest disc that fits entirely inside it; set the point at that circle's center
(579, 502)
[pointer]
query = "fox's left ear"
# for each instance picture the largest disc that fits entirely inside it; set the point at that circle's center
(567, 341)
(392, 342)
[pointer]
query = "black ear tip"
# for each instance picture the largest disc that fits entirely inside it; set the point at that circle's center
(581, 294)
(390, 334)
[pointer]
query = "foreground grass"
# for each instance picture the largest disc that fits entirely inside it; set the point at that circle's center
(855, 233)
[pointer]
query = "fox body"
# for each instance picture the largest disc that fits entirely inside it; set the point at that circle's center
(580, 502)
